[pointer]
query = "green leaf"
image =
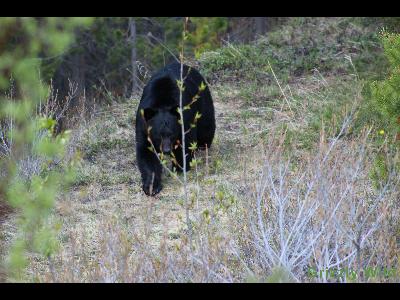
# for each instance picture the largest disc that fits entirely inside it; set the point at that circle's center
(202, 86)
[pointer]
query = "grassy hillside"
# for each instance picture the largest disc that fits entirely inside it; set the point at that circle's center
(285, 187)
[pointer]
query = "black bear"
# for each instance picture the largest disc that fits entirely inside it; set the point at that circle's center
(158, 118)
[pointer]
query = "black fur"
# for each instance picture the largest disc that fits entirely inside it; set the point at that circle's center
(159, 102)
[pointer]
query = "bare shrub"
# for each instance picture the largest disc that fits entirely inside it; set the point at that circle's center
(321, 213)
(29, 163)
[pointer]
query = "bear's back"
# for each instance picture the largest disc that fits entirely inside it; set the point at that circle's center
(162, 89)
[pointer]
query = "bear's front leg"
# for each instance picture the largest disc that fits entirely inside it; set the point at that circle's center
(151, 170)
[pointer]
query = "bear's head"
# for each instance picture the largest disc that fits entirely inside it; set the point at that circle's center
(165, 130)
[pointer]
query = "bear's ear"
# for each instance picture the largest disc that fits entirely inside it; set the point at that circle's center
(174, 110)
(149, 113)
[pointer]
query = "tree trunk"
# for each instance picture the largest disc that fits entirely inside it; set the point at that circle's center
(261, 25)
(132, 40)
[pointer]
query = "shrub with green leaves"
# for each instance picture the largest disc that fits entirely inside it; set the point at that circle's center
(385, 94)
(381, 109)
(206, 34)
(31, 134)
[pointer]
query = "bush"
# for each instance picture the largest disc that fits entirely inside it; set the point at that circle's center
(27, 132)
(385, 94)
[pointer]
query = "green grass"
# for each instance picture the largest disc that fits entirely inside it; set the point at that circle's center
(299, 47)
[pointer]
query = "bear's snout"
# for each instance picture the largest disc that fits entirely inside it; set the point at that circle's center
(166, 146)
